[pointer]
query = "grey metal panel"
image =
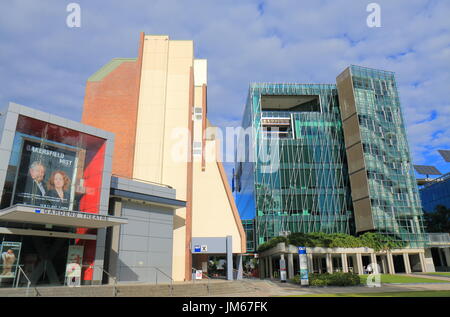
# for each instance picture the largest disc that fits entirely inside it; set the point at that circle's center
(160, 244)
(161, 230)
(134, 243)
(155, 226)
(10, 122)
(214, 245)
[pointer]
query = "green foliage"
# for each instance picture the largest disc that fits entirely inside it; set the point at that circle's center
(376, 241)
(335, 279)
(271, 243)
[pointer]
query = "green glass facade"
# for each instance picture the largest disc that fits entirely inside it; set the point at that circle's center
(298, 181)
(328, 158)
(393, 192)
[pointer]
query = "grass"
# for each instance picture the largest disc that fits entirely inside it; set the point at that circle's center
(446, 274)
(390, 278)
(385, 294)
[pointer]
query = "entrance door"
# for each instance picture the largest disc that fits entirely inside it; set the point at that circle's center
(45, 259)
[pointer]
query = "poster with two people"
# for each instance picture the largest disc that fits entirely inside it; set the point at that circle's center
(45, 176)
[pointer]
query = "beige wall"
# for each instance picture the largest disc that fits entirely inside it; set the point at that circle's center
(212, 213)
(161, 149)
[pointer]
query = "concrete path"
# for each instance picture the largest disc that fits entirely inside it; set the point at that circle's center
(269, 288)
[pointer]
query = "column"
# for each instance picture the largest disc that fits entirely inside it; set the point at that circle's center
(239, 266)
(290, 266)
(373, 260)
(390, 261)
(447, 255)
(229, 243)
(407, 263)
(384, 264)
(270, 267)
(422, 262)
(310, 262)
(115, 239)
(261, 267)
(329, 263)
(359, 263)
(344, 263)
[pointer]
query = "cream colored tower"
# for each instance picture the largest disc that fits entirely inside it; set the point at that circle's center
(171, 144)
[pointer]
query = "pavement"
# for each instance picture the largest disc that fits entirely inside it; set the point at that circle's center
(270, 288)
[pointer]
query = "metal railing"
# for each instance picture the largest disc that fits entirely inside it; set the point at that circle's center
(171, 279)
(439, 238)
(109, 275)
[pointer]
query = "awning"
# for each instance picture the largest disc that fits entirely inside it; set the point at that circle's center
(64, 218)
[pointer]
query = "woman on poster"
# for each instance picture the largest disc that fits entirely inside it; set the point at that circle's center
(58, 186)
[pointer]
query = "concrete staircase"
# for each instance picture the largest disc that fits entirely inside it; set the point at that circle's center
(187, 289)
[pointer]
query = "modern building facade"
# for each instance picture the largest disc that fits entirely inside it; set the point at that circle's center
(436, 193)
(156, 105)
(298, 181)
(329, 158)
(63, 215)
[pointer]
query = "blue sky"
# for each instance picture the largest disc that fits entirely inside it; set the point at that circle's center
(45, 65)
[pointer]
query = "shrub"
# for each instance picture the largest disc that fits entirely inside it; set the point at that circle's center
(334, 279)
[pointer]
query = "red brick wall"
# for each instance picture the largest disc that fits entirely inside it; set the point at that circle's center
(111, 105)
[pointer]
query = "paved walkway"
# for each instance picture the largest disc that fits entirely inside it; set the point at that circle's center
(268, 288)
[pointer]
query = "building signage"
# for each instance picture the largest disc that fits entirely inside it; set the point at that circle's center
(45, 175)
(10, 254)
(198, 274)
(197, 248)
(303, 260)
(204, 248)
(72, 214)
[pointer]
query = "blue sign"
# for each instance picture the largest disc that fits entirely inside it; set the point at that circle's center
(38, 211)
(197, 248)
(301, 250)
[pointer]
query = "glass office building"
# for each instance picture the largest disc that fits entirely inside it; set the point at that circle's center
(435, 193)
(328, 158)
(293, 175)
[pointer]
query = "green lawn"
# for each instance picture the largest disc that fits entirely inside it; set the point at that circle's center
(445, 274)
(386, 294)
(392, 278)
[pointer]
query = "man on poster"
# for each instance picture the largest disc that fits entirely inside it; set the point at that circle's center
(37, 174)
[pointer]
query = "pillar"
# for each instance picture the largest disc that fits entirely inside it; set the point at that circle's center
(344, 262)
(270, 267)
(407, 263)
(390, 261)
(290, 266)
(373, 260)
(384, 264)
(329, 263)
(359, 263)
(261, 268)
(447, 255)
(422, 262)
(310, 263)
(239, 267)
(229, 242)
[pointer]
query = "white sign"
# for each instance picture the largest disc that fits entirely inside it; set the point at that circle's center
(198, 274)
(204, 248)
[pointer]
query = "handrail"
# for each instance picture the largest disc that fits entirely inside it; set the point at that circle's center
(171, 279)
(21, 271)
(108, 274)
(207, 277)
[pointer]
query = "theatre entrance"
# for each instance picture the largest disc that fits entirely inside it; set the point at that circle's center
(43, 259)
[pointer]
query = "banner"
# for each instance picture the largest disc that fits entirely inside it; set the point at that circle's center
(303, 260)
(45, 176)
(74, 265)
(9, 260)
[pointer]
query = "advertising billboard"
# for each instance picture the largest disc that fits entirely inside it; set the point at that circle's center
(10, 253)
(46, 175)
